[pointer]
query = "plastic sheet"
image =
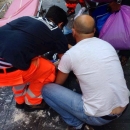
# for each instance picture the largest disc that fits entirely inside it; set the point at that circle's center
(20, 8)
(100, 15)
(116, 29)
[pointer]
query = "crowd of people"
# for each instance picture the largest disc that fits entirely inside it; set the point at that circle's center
(37, 81)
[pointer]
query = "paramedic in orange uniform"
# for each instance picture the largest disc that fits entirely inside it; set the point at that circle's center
(71, 5)
(22, 43)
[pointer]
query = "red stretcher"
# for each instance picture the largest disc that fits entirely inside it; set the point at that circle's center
(20, 8)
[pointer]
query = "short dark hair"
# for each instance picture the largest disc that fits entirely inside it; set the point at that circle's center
(57, 15)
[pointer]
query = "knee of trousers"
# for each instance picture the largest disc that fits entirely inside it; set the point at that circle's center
(49, 89)
(46, 88)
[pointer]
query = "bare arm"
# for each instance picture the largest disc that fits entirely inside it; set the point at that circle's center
(61, 77)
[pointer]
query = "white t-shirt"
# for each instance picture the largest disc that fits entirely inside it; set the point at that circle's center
(97, 67)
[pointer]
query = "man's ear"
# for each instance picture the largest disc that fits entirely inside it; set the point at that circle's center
(94, 30)
(73, 32)
(60, 25)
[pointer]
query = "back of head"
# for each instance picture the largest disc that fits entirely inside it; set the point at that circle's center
(84, 24)
(57, 15)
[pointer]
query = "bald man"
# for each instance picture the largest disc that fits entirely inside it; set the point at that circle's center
(97, 67)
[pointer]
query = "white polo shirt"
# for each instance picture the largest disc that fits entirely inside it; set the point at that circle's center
(97, 67)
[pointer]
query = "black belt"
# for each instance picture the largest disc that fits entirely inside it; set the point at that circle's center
(8, 70)
(109, 117)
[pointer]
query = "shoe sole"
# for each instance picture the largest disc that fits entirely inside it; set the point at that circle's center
(34, 109)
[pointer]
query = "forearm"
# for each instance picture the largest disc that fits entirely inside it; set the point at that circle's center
(61, 77)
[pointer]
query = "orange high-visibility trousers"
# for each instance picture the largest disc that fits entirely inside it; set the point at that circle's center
(73, 3)
(27, 85)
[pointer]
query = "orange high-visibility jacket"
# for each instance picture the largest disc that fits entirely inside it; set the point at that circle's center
(72, 3)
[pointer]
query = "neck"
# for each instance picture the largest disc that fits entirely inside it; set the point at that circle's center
(81, 37)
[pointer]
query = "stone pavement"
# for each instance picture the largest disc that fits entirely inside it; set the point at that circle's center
(14, 119)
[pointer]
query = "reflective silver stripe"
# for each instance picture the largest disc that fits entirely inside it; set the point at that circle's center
(4, 64)
(39, 96)
(26, 101)
(20, 94)
(29, 92)
(19, 87)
